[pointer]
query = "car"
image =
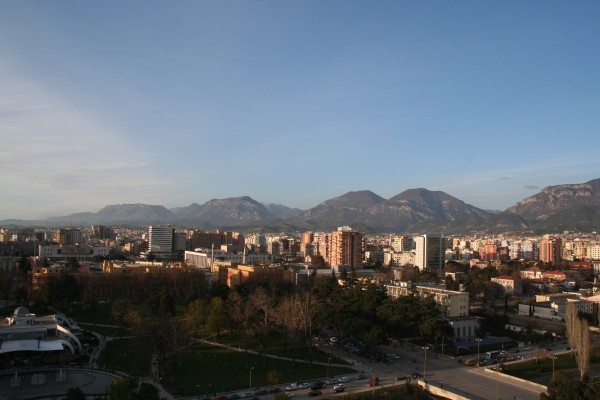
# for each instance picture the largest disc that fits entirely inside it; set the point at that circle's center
(291, 388)
(247, 394)
(401, 378)
(261, 392)
(314, 393)
(333, 340)
(344, 379)
(317, 385)
(416, 375)
(339, 388)
(274, 390)
(302, 385)
(361, 376)
(333, 381)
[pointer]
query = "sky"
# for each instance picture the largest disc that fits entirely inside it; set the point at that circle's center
(293, 102)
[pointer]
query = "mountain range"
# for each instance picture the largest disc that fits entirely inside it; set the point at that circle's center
(555, 208)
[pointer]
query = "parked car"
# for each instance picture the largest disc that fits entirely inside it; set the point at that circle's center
(317, 385)
(302, 385)
(344, 379)
(291, 388)
(401, 378)
(275, 390)
(333, 381)
(416, 375)
(314, 393)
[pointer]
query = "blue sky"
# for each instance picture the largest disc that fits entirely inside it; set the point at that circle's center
(293, 102)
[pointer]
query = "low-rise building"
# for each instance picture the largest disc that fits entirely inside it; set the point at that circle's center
(511, 285)
(24, 332)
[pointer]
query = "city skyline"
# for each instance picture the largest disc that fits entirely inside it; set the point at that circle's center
(293, 102)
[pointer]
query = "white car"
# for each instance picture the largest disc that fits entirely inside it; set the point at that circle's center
(344, 379)
(340, 387)
(290, 388)
(302, 385)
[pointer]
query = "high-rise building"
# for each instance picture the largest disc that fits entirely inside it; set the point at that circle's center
(160, 241)
(402, 243)
(429, 252)
(68, 236)
(307, 239)
(345, 248)
(550, 250)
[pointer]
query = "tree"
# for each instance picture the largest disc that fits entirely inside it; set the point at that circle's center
(196, 315)
(217, 319)
(119, 311)
(578, 335)
(122, 389)
(272, 377)
(265, 305)
(563, 388)
(75, 393)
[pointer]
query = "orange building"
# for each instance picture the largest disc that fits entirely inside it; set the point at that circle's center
(345, 248)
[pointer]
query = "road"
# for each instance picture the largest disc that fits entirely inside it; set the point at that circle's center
(472, 382)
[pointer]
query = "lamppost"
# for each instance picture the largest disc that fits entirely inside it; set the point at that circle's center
(543, 334)
(425, 348)
(478, 340)
(251, 368)
(329, 359)
(497, 383)
(553, 357)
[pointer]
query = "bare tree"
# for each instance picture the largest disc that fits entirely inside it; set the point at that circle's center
(571, 318)
(265, 305)
(583, 345)
(578, 335)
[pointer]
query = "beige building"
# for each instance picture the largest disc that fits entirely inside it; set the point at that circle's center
(345, 248)
(451, 303)
(511, 285)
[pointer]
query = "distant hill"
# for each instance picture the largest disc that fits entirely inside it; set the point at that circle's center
(234, 211)
(555, 208)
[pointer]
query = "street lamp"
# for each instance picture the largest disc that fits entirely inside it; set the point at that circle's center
(553, 357)
(329, 359)
(425, 348)
(251, 368)
(478, 340)
(543, 334)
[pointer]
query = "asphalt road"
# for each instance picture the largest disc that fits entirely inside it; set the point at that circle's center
(472, 382)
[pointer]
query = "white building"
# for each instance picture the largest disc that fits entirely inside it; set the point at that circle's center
(429, 252)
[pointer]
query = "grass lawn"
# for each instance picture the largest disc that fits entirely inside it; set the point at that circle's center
(131, 355)
(201, 365)
(275, 344)
(533, 371)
